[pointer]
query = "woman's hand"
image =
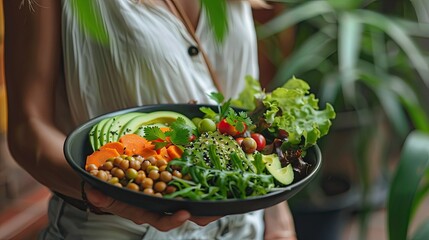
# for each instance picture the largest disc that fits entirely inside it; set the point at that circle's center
(279, 223)
(141, 216)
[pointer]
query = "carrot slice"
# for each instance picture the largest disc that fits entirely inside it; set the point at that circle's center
(100, 156)
(135, 144)
(115, 145)
(163, 154)
(147, 152)
(174, 152)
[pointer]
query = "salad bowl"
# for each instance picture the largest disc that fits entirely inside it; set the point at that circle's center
(77, 147)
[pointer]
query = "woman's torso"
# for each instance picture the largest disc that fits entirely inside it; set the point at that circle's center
(146, 61)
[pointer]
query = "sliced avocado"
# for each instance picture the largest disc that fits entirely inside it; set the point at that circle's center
(91, 136)
(118, 123)
(96, 135)
(104, 131)
(162, 117)
(284, 175)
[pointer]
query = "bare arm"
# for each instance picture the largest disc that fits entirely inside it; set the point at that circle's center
(32, 67)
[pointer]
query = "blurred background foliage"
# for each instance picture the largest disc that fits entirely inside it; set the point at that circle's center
(369, 58)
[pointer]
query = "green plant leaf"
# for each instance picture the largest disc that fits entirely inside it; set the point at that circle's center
(293, 16)
(413, 163)
(309, 55)
(90, 20)
(349, 38)
(218, 17)
(400, 36)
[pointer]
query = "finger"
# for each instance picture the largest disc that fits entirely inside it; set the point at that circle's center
(203, 221)
(138, 215)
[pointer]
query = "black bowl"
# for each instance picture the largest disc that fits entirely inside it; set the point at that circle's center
(77, 147)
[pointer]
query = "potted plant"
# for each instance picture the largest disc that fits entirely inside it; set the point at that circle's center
(367, 59)
(409, 187)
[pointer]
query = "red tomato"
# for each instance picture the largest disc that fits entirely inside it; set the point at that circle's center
(225, 128)
(239, 140)
(260, 141)
(249, 145)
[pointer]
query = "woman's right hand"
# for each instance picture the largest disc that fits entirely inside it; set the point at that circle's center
(162, 222)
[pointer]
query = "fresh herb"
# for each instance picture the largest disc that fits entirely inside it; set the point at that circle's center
(179, 134)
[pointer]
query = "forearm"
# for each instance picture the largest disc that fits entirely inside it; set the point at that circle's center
(37, 147)
(32, 69)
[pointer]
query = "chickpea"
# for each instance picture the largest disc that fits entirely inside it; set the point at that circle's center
(139, 158)
(159, 186)
(119, 173)
(177, 174)
(170, 189)
(154, 174)
(135, 164)
(157, 194)
(91, 167)
(147, 183)
(152, 160)
(161, 162)
(187, 177)
(124, 165)
(102, 175)
(131, 173)
(114, 180)
(117, 161)
(139, 178)
(163, 168)
(148, 191)
(166, 176)
(145, 164)
(94, 172)
(108, 165)
(133, 186)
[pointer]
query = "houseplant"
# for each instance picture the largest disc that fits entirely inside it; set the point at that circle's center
(409, 187)
(365, 57)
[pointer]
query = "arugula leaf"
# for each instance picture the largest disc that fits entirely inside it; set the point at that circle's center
(258, 163)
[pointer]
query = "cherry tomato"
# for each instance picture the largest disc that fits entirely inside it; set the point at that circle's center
(260, 141)
(206, 125)
(239, 140)
(248, 145)
(225, 128)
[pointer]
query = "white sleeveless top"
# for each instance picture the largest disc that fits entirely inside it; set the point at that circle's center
(146, 61)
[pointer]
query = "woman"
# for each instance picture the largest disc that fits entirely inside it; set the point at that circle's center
(60, 75)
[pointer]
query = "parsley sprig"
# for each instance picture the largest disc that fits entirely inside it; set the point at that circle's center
(179, 134)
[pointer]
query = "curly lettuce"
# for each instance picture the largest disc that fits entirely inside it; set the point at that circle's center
(291, 108)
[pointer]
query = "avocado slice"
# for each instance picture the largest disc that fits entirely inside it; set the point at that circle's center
(162, 117)
(96, 135)
(283, 175)
(105, 129)
(118, 123)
